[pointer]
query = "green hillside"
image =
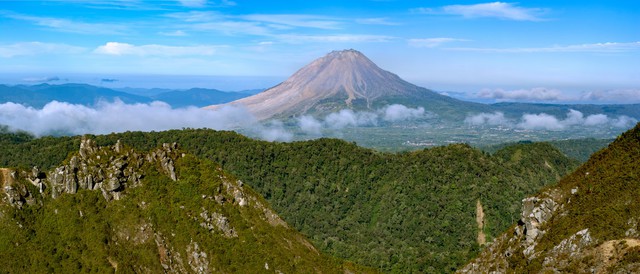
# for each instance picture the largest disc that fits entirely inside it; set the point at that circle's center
(587, 223)
(409, 212)
(114, 209)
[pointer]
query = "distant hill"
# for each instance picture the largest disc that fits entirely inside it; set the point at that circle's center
(39, 95)
(114, 209)
(587, 223)
(579, 149)
(560, 110)
(198, 97)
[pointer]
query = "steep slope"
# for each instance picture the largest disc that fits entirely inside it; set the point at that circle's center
(342, 79)
(587, 223)
(409, 212)
(112, 209)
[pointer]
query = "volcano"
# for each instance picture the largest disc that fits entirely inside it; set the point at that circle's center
(339, 80)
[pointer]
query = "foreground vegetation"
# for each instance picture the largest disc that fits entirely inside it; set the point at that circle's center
(408, 212)
(587, 222)
(204, 222)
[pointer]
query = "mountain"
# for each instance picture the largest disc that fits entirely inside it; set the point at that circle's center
(407, 212)
(115, 209)
(198, 97)
(39, 95)
(344, 79)
(587, 223)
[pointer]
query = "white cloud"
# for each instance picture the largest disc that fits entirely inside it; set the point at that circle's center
(310, 125)
(596, 119)
(177, 33)
(492, 119)
(432, 42)
(544, 121)
(272, 131)
(116, 48)
(540, 121)
(338, 38)
(608, 47)
(35, 48)
(294, 20)
(376, 21)
(349, 118)
(500, 10)
(65, 118)
(193, 3)
(398, 112)
(618, 95)
(65, 25)
(534, 94)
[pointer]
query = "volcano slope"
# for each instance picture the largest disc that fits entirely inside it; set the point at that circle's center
(347, 79)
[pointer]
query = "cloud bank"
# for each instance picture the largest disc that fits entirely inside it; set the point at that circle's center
(544, 121)
(59, 118)
(64, 118)
(541, 94)
(349, 118)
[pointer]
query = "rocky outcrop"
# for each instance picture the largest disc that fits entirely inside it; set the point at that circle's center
(215, 220)
(197, 259)
(536, 211)
(107, 169)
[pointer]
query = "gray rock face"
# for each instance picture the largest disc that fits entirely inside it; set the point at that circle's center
(108, 169)
(535, 212)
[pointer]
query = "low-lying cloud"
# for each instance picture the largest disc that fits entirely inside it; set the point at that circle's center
(64, 118)
(534, 94)
(544, 121)
(541, 94)
(349, 118)
(60, 118)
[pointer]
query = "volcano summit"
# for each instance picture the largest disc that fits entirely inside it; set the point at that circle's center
(341, 79)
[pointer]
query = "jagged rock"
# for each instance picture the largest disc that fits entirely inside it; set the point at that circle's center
(559, 256)
(87, 147)
(197, 258)
(216, 220)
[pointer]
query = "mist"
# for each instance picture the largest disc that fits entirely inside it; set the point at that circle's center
(58, 118)
(349, 118)
(544, 121)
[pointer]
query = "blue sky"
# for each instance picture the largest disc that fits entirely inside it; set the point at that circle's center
(547, 51)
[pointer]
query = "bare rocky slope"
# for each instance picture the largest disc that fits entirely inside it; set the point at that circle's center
(587, 223)
(341, 79)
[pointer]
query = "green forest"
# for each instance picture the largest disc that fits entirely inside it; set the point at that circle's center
(406, 212)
